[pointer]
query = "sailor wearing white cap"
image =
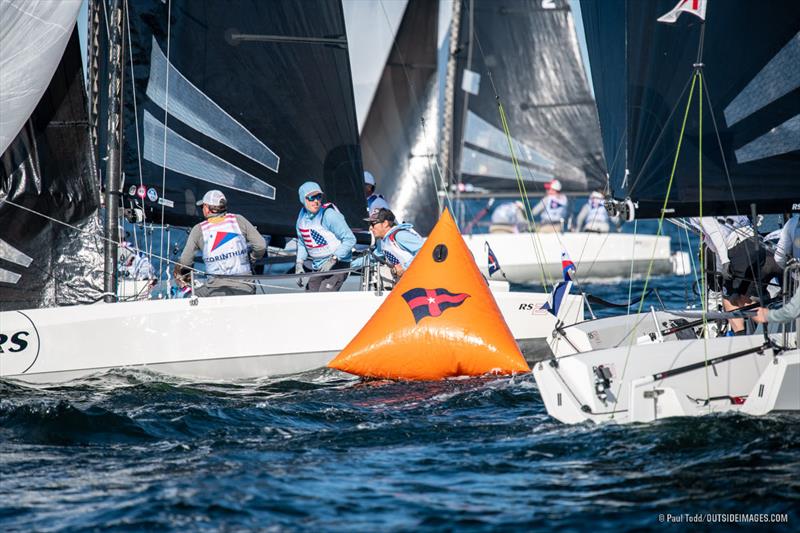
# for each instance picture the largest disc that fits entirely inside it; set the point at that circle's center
(229, 243)
(552, 209)
(374, 200)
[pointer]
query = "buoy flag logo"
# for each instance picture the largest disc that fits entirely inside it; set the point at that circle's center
(221, 238)
(432, 302)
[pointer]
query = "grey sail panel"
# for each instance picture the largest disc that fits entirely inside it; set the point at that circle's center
(249, 97)
(641, 70)
(531, 51)
(49, 168)
(396, 147)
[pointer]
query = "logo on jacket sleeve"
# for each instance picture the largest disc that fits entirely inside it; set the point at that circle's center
(312, 239)
(221, 238)
(432, 302)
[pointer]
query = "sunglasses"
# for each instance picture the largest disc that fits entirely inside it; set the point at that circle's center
(314, 198)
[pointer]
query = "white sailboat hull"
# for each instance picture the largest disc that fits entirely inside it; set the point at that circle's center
(221, 338)
(596, 255)
(757, 382)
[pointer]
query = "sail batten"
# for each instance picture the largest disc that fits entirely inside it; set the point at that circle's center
(249, 97)
(528, 53)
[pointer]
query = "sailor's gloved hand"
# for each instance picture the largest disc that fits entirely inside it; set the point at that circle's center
(298, 269)
(725, 270)
(327, 265)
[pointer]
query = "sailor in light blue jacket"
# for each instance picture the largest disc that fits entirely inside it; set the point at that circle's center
(397, 244)
(324, 237)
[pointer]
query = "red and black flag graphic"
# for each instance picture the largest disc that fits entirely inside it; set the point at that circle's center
(432, 302)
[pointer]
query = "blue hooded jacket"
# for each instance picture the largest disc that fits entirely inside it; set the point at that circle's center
(332, 220)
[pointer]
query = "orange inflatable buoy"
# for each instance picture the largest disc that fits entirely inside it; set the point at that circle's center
(439, 321)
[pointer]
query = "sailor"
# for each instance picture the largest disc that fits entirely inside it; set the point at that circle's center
(324, 237)
(229, 244)
(396, 244)
(509, 217)
(374, 200)
(552, 209)
(789, 242)
(134, 265)
(786, 313)
(593, 217)
(738, 257)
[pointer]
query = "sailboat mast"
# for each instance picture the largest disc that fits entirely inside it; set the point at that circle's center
(92, 67)
(113, 165)
(449, 96)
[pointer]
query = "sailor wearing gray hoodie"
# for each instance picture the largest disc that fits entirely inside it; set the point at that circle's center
(323, 238)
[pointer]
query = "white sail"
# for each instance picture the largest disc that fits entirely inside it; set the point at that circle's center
(33, 36)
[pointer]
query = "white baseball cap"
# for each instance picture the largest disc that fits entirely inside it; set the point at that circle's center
(213, 198)
(369, 179)
(555, 185)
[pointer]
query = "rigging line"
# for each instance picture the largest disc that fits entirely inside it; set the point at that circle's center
(164, 159)
(523, 193)
(532, 230)
(661, 133)
(614, 162)
(691, 255)
(136, 116)
(700, 199)
(537, 244)
(661, 220)
(630, 277)
(86, 232)
(432, 163)
(730, 183)
(685, 285)
(699, 65)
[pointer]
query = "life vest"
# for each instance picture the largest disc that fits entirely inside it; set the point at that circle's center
(597, 218)
(394, 252)
(555, 209)
(320, 242)
(224, 246)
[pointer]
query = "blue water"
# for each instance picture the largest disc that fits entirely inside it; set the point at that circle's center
(322, 451)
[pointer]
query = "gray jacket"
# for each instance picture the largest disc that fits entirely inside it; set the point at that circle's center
(788, 312)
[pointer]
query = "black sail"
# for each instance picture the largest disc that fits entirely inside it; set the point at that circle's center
(530, 50)
(751, 71)
(50, 170)
(251, 97)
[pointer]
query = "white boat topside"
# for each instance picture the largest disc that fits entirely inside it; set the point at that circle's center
(596, 255)
(216, 338)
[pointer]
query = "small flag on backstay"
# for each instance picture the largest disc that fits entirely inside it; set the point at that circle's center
(562, 288)
(494, 264)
